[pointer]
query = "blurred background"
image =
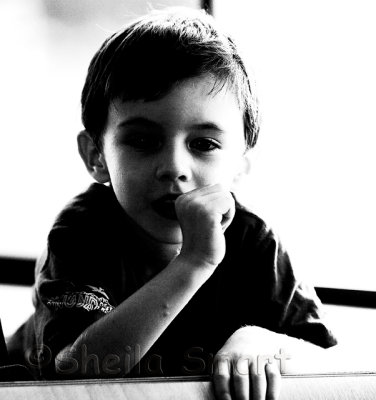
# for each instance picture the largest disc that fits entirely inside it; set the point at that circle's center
(313, 170)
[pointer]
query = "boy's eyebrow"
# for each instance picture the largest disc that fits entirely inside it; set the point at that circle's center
(134, 121)
(207, 126)
(138, 121)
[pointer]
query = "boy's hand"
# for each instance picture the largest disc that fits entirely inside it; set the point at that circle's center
(204, 214)
(245, 367)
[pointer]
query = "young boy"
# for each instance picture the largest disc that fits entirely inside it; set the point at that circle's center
(156, 269)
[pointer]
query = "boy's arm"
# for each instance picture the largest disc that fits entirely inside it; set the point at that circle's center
(137, 322)
(203, 214)
(252, 358)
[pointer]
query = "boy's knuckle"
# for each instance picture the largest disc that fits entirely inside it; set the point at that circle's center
(179, 201)
(239, 378)
(222, 355)
(221, 377)
(241, 366)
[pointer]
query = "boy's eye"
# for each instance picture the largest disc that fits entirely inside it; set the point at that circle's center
(204, 144)
(143, 142)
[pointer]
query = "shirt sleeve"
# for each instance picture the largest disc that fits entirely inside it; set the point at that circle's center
(269, 292)
(297, 308)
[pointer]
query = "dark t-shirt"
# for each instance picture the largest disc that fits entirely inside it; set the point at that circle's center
(95, 260)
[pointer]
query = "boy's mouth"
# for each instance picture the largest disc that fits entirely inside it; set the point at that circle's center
(165, 206)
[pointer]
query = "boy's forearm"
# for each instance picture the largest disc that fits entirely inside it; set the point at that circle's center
(134, 325)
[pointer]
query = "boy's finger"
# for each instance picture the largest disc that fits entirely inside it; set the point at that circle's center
(259, 385)
(229, 215)
(224, 203)
(274, 381)
(221, 379)
(221, 204)
(241, 379)
(205, 190)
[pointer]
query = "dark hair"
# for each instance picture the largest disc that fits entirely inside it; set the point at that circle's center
(151, 55)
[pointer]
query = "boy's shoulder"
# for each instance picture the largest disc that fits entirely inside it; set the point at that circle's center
(91, 219)
(252, 232)
(90, 207)
(85, 235)
(252, 224)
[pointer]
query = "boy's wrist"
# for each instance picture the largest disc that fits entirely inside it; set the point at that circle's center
(196, 262)
(192, 270)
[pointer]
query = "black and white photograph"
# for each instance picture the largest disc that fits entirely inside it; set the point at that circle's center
(187, 199)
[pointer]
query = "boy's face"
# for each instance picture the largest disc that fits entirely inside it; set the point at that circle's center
(154, 150)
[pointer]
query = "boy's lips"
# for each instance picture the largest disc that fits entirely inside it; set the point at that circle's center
(165, 206)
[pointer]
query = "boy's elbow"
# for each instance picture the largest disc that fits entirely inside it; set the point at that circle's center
(67, 363)
(71, 363)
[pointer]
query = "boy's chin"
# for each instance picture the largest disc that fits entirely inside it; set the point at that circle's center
(158, 229)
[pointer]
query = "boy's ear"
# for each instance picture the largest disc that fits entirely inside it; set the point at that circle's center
(243, 170)
(92, 157)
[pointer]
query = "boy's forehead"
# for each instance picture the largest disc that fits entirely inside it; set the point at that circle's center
(194, 98)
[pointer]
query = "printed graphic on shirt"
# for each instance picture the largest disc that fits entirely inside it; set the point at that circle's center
(89, 301)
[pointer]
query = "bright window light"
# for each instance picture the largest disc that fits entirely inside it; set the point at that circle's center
(314, 168)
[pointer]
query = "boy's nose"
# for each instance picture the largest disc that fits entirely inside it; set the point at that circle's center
(174, 164)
